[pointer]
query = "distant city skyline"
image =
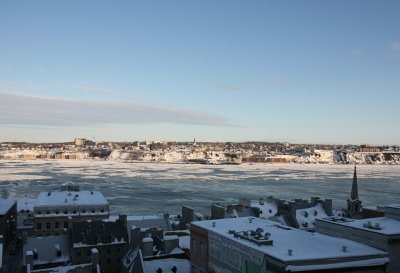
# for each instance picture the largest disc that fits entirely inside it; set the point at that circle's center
(303, 72)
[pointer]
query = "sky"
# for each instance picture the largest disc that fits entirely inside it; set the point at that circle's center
(226, 70)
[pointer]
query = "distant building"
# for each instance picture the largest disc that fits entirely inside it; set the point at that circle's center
(52, 210)
(276, 160)
(381, 232)
(370, 149)
(8, 220)
(80, 141)
(247, 245)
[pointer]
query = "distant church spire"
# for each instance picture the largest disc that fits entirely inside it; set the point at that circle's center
(354, 187)
(354, 206)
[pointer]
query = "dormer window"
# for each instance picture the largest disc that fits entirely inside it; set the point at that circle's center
(58, 253)
(35, 255)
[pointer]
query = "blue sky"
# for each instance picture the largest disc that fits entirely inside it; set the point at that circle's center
(298, 71)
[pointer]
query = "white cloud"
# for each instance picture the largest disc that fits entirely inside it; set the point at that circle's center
(229, 88)
(17, 109)
(29, 87)
(94, 89)
(356, 52)
(276, 80)
(395, 48)
(40, 68)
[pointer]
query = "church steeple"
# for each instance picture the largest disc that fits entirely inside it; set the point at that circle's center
(354, 187)
(354, 206)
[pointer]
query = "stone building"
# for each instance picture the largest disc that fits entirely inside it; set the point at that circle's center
(8, 220)
(53, 209)
(381, 232)
(109, 237)
(254, 245)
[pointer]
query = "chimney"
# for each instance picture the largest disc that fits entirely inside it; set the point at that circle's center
(95, 259)
(136, 237)
(29, 259)
(123, 220)
(147, 247)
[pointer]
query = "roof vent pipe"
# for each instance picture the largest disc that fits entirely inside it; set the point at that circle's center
(344, 248)
(290, 252)
(214, 224)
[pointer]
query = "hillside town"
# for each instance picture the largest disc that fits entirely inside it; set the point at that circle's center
(202, 152)
(71, 230)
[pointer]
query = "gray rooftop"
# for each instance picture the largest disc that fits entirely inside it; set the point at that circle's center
(5, 205)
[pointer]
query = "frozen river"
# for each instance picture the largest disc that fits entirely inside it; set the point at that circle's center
(143, 188)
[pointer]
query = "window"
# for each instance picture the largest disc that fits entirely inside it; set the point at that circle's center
(39, 226)
(58, 253)
(102, 210)
(202, 250)
(57, 225)
(48, 225)
(93, 211)
(39, 212)
(48, 211)
(193, 246)
(74, 212)
(65, 211)
(57, 211)
(65, 224)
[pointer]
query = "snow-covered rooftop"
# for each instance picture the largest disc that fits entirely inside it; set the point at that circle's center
(144, 222)
(382, 225)
(306, 217)
(166, 265)
(267, 208)
(304, 245)
(394, 206)
(25, 204)
(67, 269)
(5, 205)
(47, 248)
(68, 198)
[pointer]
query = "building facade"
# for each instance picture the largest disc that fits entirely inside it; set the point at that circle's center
(253, 245)
(110, 238)
(8, 220)
(54, 209)
(381, 232)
